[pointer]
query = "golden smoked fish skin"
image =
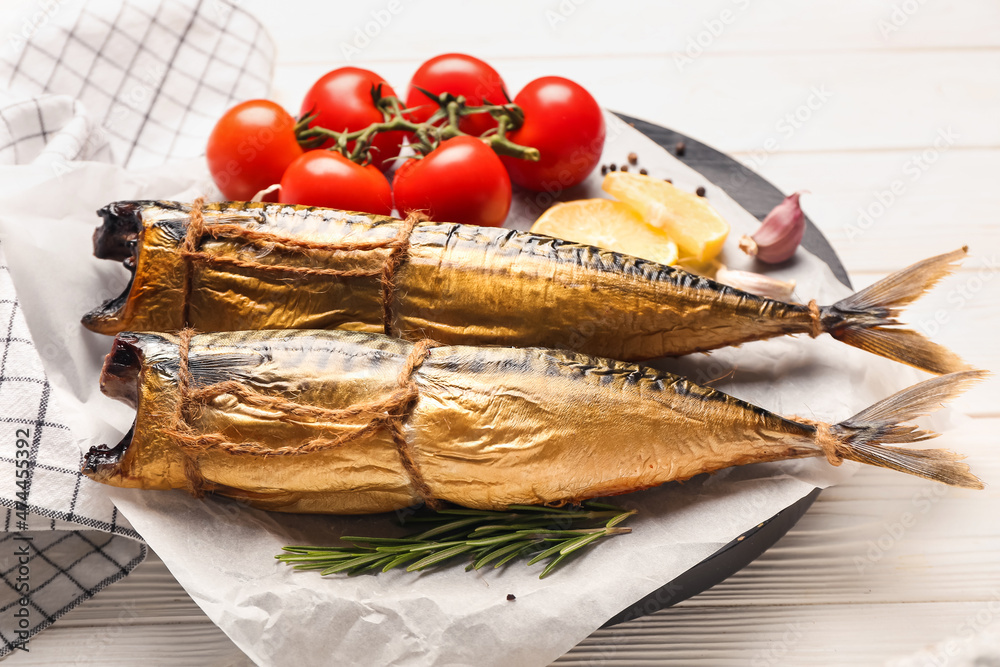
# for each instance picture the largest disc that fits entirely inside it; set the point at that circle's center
(456, 284)
(486, 427)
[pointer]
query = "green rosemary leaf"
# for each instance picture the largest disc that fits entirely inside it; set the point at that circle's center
(492, 554)
(552, 565)
(435, 558)
(573, 545)
(621, 517)
(511, 556)
(497, 539)
(304, 558)
(377, 540)
(605, 506)
(541, 508)
(352, 563)
(454, 525)
(399, 560)
(542, 555)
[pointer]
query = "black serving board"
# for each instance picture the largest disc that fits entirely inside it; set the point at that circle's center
(758, 197)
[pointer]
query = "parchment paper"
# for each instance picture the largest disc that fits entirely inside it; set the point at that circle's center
(222, 552)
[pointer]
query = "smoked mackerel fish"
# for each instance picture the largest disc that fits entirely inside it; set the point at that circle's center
(354, 423)
(245, 266)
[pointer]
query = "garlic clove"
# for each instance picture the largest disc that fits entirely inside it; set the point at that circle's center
(756, 283)
(779, 235)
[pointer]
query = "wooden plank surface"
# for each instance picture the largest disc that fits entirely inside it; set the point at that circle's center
(881, 566)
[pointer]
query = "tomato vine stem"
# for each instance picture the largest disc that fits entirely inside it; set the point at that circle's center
(443, 124)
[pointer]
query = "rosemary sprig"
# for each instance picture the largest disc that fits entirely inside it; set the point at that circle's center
(523, 531)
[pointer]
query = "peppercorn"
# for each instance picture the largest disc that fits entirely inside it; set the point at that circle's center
(680, 148)
(633, 158)
(700, 191)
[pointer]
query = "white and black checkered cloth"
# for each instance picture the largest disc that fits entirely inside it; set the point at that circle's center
(135, 83)
(46, 549)
(153, 75)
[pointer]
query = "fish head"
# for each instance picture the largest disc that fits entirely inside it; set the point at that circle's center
(137, 371)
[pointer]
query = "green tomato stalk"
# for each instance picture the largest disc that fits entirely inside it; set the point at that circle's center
(443, 124)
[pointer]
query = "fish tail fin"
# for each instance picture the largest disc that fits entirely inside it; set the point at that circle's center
(867, 319)
(865, 436)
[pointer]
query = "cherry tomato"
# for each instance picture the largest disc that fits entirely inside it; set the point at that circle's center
(458, 74)
(250, 147)
(343, 101)
(325, 178)
(566, 125)
(462, 180)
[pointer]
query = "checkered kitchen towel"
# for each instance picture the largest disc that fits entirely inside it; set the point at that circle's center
(135, 83)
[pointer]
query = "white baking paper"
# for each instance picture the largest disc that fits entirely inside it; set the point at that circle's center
(223, 553)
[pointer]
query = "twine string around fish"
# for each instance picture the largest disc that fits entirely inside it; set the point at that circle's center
(816, 319)
(825, 439)
(390, 413)
(398, 247)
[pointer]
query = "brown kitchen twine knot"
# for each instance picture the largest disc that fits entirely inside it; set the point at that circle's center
(398, 246)
(817, 320)
(391, 412)
(825, 438)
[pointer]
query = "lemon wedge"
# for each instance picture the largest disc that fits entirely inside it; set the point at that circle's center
(685, 217)
(608, 224)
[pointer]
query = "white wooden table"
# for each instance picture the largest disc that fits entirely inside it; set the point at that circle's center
(843, 98)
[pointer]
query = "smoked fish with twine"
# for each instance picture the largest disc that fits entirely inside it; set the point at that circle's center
(353, 423)
(243, 266)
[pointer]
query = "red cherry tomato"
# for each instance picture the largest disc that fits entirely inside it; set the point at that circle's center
(458, 74)
(343, 101)
(325, 178)
(566, 125)
(462, 180)
(250, 147)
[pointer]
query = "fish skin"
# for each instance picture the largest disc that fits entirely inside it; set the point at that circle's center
(459, 285)
(491, 427)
